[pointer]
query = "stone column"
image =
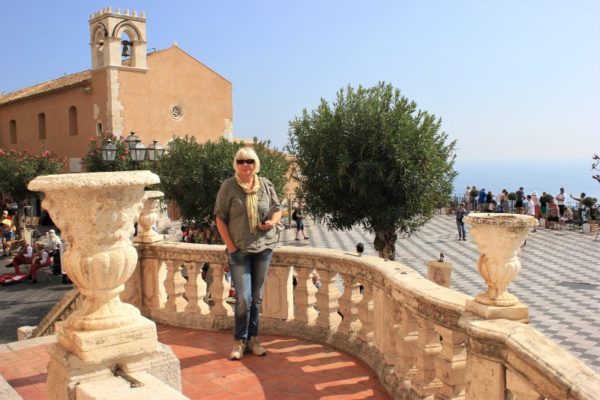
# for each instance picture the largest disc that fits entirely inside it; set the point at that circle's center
(96, 213)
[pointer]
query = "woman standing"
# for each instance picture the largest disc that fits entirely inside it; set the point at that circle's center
(247, 210)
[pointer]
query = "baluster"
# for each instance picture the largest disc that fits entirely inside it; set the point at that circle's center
(175, 285)
(327, 301)
(407, 337)
(195, 289)
(278, 293)
(220, 290)
(519, 388)
(365, 314)
(304, 298)
(451, 364)
(391, 328)
(425, 382)
(349, 306)
(154, 276)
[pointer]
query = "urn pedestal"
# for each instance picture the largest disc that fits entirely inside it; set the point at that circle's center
(95, 213)
(499, 238)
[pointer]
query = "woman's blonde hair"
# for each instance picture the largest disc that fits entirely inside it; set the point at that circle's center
(246, 153)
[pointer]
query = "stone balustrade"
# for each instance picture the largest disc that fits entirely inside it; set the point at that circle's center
(418, 337)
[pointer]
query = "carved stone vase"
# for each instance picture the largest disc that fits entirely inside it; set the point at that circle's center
(499, 238)
(95, 213)
(148, 218)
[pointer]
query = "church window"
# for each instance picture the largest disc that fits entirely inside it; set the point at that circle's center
(12, 130)
(73, 121)
(42, 126)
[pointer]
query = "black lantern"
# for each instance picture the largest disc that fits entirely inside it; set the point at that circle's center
(109, 151)
(131, 140)
(138, 153)
(155, 151)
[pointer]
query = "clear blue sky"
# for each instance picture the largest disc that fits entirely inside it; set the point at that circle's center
(510, 79)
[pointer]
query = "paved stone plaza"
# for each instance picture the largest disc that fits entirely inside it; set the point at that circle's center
(559, 281)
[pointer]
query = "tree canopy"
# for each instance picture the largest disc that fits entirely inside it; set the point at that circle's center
(191, 173)
(372, 158)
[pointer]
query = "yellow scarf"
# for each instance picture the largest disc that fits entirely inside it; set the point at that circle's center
(251, 200)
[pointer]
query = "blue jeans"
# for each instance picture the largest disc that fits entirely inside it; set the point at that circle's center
(249, 273)
(461, 229)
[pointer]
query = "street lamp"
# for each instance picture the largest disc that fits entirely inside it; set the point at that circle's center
(138, 152)
(131, 140)
(109, 151)
(155, 151)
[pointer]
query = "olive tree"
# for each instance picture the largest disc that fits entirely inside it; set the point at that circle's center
(372, 158)
(191, 173)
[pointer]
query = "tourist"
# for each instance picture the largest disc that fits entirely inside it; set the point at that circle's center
(580, 205)
(42, 261)
(461, 211)
(490, 203)
(8, 235)
(24, 256)
(481, 200)
(519, 202)
(531, 209)
(536, 203)
(467, 197)
(553, 214)
(504, 207)
(247, 212)
(543, 206)
(298, 216)
(560, 201)
(567, 217)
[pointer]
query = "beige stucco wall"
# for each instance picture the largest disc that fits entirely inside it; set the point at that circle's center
(174, 77)
(56, 107)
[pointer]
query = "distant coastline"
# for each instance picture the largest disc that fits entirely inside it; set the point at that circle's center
(536, 175)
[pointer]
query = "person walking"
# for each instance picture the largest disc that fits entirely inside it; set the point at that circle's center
(247, 212)
(298, 216)
(461, 211)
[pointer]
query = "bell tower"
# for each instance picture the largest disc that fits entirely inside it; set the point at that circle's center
(118, 39)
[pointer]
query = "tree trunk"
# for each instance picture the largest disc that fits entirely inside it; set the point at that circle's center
(385, 244)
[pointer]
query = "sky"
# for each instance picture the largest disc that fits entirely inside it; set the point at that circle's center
(511, 80)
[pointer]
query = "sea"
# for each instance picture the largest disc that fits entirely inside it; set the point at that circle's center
(534, 175)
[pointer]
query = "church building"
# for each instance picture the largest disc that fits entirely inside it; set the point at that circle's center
(158, 95)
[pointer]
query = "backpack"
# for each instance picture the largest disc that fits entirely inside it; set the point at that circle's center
(294, 216)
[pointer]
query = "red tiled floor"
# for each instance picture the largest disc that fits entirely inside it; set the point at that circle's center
(293, 369)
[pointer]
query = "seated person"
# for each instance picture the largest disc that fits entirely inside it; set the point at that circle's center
(567, 216)
(8, 235)
(42, 261)
(553, 214)
(25, 256)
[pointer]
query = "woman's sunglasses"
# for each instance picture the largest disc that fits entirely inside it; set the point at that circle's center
(248, 161)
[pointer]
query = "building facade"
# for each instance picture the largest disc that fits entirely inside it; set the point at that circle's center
(158, 95)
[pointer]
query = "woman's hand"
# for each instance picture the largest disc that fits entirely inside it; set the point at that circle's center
(266, 226)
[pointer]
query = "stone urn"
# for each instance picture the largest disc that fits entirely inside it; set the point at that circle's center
(148, 217)
(499, 238)
(96, 213)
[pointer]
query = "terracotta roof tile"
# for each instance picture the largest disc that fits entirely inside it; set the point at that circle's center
(48, 86)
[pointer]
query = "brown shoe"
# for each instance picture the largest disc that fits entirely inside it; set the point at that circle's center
(256, 348)
(238, 350)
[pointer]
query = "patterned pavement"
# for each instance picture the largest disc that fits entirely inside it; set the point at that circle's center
(559, 280)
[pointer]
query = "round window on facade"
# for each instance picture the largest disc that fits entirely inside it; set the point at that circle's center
(176, 112)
